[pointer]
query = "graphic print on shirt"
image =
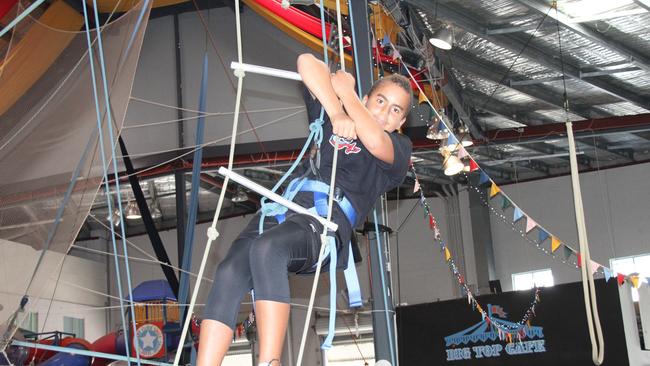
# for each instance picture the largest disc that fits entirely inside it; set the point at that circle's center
(349, 145)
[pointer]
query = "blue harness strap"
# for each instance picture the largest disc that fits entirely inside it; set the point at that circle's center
(321, 194)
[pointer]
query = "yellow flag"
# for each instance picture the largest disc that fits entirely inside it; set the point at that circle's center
(555, 243)
(635, 281)
(422, 98)
(447, 254)
(494, 190)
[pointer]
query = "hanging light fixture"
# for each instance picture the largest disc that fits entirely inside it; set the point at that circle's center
(465, 138)
(132, 211)
(452, 165)
(437, 130)
(442, 38)
(240, 196)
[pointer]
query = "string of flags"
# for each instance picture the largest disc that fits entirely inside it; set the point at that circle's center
(454, 145)
(545, 240)
(506, 331)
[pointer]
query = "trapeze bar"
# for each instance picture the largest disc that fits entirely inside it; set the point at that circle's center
(275, 197)
(75, 351)
(262, 70)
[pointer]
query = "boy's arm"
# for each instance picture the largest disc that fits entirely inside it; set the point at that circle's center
(316, 76)
(371, 134)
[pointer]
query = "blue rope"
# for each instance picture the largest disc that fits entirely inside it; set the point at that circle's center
(104, 168)
(21, 17)
(184, 287)
(114, 160)
(383, 289)
(315, 134)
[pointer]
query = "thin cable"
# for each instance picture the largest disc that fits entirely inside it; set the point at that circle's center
(103, 155)
(179, 157)
(223, 65)
(209, 114)
(212, 231)
(213, 142)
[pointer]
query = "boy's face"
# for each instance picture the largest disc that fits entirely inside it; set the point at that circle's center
(389, 105)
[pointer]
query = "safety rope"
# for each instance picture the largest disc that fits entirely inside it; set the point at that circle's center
(109, 117)
(212, 230)
(325, 242)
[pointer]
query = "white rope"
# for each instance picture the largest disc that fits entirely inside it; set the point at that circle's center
(221, 139)
(212, 231)
(210, 114)
(192, 150)
(145, 260)
(588, 289)
(323, 236)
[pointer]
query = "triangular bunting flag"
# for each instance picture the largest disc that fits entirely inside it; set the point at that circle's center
(542, 235)
(472, 165)
(505, 203)
(494, 190)
(483, 178)
(620, 279)
(594, 267)
(518, 214)
(422, 98)
(447, 254)
(555, 243)
(567, 252)
(530, 224)
(608, 273)
(416, 187)
(396, 54)
(635, 281)
(579, 261)
(452, 140)
(462, 153)
(385, 41)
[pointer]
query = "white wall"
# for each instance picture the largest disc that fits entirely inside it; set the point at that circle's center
(155, 80)
(616, 205)
(55, 291)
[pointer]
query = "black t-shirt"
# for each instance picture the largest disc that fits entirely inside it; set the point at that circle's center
(360, 175)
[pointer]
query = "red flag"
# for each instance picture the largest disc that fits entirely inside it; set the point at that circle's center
(579, 260)
(431, 224)
(472, 165)
(620, 278)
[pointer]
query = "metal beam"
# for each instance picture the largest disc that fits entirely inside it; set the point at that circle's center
(635, 57)
(515, 44)
(502, 110)
(643, 3)
(466, 61)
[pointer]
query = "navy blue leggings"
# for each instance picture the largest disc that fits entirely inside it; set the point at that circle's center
(262, 262)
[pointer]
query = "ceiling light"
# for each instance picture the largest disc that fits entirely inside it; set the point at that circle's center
(437, 131)
(132, 211)
(156, 213)
(442, 38)
(452, 165)
(240, 196)
(465, 138)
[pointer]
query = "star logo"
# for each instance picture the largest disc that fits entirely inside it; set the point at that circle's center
(150, 340)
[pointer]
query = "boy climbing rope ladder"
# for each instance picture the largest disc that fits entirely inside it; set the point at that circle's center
(374, 159)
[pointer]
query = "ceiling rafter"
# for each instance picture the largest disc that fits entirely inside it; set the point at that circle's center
(635, 57)
(514, 43)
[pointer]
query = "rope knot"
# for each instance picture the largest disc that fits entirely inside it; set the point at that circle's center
(239, 73)
(273, 209)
